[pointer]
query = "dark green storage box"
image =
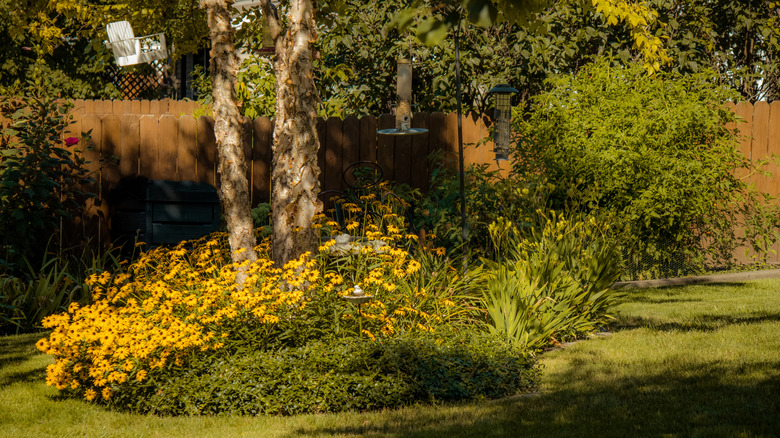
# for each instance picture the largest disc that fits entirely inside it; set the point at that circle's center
(163, 212)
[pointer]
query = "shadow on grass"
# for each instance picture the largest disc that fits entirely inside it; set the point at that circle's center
(18, 348)
(703, 399)
(29, 376)
(702, 323)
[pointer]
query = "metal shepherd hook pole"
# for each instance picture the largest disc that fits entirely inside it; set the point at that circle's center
(460, 136)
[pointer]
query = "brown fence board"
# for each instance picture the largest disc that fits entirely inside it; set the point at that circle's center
(436, 138)
(93, 221)
(188, 148)
(322, 135)
(451, 141)
(760, 143)
(773, 141)
(207, 151)
(144, 107)
(333, 158)
(402, 161)
(261, 160)
(350, 140)
(148, 157)
(744, 111)
(385, 149)
(168, 141)
(368, 128)
(129, 145)
(247, 140)
(110, 149)
(419, 164)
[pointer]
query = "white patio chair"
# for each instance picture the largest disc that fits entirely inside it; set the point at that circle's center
(129, 49)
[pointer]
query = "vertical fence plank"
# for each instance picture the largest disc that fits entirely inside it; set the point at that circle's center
(322, 134)
(144, 107)
(89, 106)
(246, 140)
(451, 152)
(773, 141)
(744, 111)
(474, 131)
(333, 159)
(436, 139)
(168, 141)
(350, 142)
(420, 143)
(93, 224)
(385, 149)
(126, 107)
(760, 145)
(118, 107)
(78, 108)
(261, 160)
(135, 107)
(129, 146)
(188, 148)
(111, 149)
(149, 137)
(402, 161)
(154, 107)
(207, 151)
(368, 138)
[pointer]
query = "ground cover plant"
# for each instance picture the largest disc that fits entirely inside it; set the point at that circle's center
(681, 361)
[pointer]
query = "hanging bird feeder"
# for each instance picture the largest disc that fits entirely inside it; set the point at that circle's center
(403, 110)
(503, 120)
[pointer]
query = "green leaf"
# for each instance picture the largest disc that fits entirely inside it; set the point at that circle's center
(432, 31)
(481, 12)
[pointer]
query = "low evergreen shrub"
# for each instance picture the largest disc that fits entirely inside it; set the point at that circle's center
(337, 374)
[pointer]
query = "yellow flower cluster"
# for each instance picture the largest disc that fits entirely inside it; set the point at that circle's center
(379, 258)
(168, 304)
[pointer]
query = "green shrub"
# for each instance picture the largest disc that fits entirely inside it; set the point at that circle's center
(339, 374)
(41, 179)
(655, 153)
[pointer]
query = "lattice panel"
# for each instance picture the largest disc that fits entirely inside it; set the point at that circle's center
(135, 84)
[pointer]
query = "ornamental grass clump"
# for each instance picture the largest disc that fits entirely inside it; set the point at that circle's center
(554, 284)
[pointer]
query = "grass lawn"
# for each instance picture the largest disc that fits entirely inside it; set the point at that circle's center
(684, 361)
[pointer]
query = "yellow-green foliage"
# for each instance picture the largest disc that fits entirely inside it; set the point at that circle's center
(173, 303)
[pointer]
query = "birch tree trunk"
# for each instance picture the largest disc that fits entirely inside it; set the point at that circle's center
(228, 130)
(294, 173)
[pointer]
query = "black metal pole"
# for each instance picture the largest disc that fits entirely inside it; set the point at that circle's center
(460, 136)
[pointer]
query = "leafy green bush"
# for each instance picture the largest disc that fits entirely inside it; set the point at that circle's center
(338, 374)
(41, 179)
(655, 153)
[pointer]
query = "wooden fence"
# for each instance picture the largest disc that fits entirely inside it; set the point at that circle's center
(180, 147)
(760, 133)
(162, 140)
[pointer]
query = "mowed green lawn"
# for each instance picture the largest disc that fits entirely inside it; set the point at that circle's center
(684, 361)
